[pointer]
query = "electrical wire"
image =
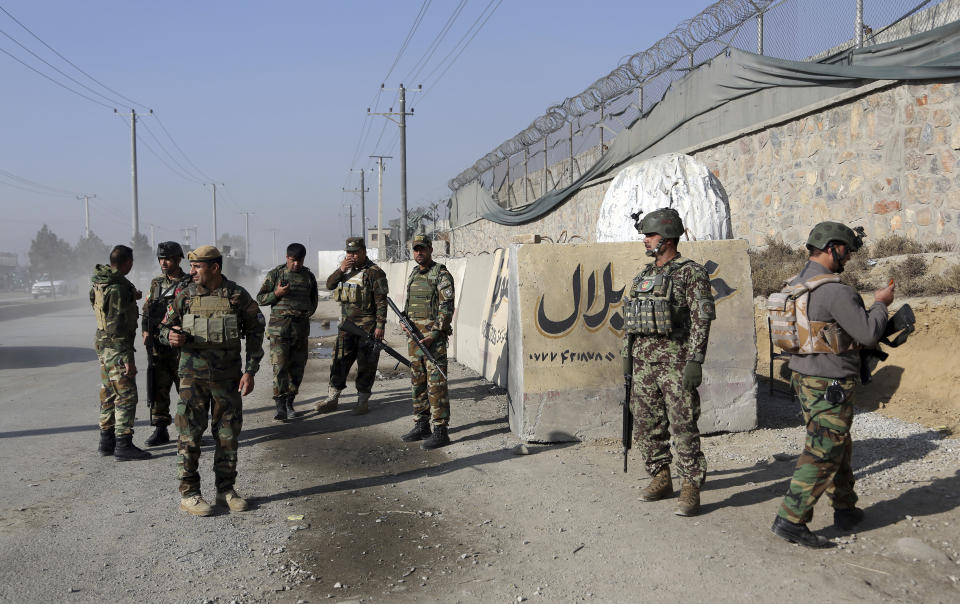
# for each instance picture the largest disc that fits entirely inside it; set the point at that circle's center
(184, 171)
(68, 61)
(50, 190)
(493, 3)
(432, 49)
(413, 30)
(62, 85)
(156, 115)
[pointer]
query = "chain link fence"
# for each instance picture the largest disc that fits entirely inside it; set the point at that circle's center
(571, 136)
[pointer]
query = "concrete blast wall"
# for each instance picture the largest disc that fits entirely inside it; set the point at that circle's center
(560, 305)
(565, 326)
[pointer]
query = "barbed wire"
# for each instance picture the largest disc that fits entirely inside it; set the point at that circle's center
(713, 22)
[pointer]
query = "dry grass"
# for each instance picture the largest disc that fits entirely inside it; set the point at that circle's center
(773, 264)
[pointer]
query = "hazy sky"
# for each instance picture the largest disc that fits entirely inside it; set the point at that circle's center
(270, 99)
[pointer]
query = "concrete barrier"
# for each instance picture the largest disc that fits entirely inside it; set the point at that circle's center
(565, 325)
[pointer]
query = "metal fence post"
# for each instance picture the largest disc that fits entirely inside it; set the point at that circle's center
(759, 33)
(526, 156)
(507, 180)
(546, 168)
(601, 128)
(859, 25)
(571, 153)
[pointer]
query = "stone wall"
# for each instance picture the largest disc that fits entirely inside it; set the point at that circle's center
(883, 158)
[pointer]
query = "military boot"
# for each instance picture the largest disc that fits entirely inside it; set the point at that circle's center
(363, 404)
(438, 439)
(661, 486)
(688, 503)
(108, 442)
(797, 532)
(281, 415)
(127, 451)
(329, 405)
(290, 412)
(235, 502)
(196, 505)
(847, 519)
(160, 436)
(421, 430)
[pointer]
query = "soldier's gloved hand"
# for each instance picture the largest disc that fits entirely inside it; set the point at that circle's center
(692, 376)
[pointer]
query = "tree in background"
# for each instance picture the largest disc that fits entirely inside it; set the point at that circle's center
(144, 258)
(90, 251)
(49, 254)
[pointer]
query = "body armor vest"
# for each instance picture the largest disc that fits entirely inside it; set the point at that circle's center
(160, 297)
(652, 308)
(297, 300)
(353, 291)
(212, 323)
(791, 328)
(422, 297)
(98, 310)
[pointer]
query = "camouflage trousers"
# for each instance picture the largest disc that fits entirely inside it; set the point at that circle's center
(429, 388)
(662, 407)
(118, 394)
(347, 350)
(221, 401)
(165, 365)
(288, 354)
(824, 466)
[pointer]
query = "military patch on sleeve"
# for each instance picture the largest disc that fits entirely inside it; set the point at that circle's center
(708, 309)
(447, 292)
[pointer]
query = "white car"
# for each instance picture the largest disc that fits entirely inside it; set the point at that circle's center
(45, 288)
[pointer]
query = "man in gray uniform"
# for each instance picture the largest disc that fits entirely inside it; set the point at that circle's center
(835, 326)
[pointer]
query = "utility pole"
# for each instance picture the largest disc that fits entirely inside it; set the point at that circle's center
(153, 235)
(135, 212)
(351, 220)
(381, 246)
(86, 213)
(363, 208)
(275, 259)
(402, 121)
(214, 185)
(186, 235)
(246, 238)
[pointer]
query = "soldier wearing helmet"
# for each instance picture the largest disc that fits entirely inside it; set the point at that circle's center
(836, 325)
(163, 360)
(668, 313)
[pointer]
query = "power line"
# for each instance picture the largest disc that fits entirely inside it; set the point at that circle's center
(406, 41)
(143, 141)
(432, 49)
(50, 190)
(68, 61)
(464, 47)
(185, 172)
(62, 85)
(189, 161)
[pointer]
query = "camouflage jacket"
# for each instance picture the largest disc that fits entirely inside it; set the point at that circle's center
(430, 299)
(301, 300)
(371, 309)
(118, 306)
(163, 290)
(217, 363)
(691, 289)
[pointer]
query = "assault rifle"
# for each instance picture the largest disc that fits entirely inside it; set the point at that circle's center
(415, 333)
(366, 339)
(627, 414)
(151, 346)
(902, 321)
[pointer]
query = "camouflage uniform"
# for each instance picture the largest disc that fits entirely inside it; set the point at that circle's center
(659, 402)
(430, 298)
(114, 300)
(164, 359)
(289, 326)
(824, 466)
(369, 312)
(210, 374)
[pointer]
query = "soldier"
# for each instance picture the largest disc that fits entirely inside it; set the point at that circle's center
(206, 321)
(291, 289)
(429, 306)
(164, 360)
(360, 286)
(668, 316)
(114, 301)
(824, 380)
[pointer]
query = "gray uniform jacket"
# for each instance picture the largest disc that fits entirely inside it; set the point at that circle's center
(840, 303)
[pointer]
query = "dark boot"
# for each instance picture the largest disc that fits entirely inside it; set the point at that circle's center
(421, 430)
(127, 451)
(281, 415)
(160, 436)
(108, 441)
(290, 412)
(438, 439)
(798, 533)
(847, 519)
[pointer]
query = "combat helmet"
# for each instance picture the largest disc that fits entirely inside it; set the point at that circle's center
(665, 222)
(823, 233)
(169, 249)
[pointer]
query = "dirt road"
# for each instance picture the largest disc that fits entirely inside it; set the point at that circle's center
(384, 521)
